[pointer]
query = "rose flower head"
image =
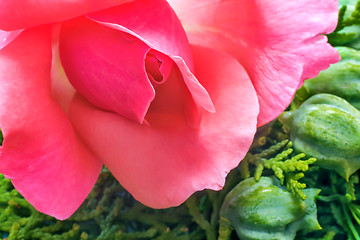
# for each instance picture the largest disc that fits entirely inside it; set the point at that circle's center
(166, 94)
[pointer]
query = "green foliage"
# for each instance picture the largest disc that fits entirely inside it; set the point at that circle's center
(347, 32)
(108, 213)
(284, 164)
(338, 205)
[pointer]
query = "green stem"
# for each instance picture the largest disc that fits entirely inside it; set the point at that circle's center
(225, 229)
(355, 211)
(349, 221)
(335, 197)
(191, 203)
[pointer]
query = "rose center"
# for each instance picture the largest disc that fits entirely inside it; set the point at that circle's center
(152, 67)
(173, 104)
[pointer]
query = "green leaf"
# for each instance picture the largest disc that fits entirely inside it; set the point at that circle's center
(280, 159)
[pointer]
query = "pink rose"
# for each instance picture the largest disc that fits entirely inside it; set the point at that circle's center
(169, 106)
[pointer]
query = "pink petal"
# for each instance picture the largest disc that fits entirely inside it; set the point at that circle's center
(162, 31)
(8, 37)
(117, 76)
(42, 155)
(61, 89)
(278, 43)
(101, 68)
(312, 52)
(174, 104)
(152, 21)
(162, 167)
(27, 13)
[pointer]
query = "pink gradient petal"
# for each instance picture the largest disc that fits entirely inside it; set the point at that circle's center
(8, 37)
(61, 89)
(28, 13)
(108, 70)
(117, 63)
(152, 21)
(199, 93)
(317, 49)
(162, 31)
(162, 167)
(278, 43)
(42, 155)
(173, 104)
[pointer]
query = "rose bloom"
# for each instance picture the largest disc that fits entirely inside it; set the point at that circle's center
(166, 94)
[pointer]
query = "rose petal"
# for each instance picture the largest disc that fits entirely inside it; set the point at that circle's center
(162, 31)
(121, 82)
(28, 13)
(61, 89)
(108, 70)
(8, 37)
(154, 22)
(161, 167)
(174, 104)
(42, 155)
(313, 52)
(278, 43)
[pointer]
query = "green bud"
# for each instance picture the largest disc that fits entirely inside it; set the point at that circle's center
(327, 127)
(266, 210)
